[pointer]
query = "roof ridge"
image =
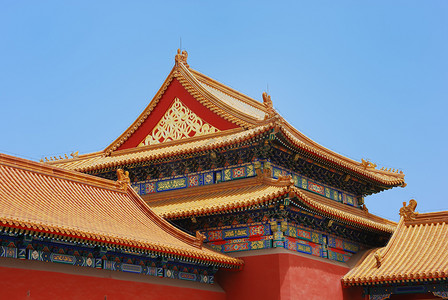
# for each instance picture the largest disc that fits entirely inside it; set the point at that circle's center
(428, 218)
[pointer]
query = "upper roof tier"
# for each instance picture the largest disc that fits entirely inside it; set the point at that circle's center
(416, 252)
(50, 201)
(192, 112)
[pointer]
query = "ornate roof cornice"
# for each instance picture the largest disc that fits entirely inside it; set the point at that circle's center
(253, 192)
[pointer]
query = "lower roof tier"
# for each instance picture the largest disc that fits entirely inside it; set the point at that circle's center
(49, 201)
(416, 252)
(252, 193)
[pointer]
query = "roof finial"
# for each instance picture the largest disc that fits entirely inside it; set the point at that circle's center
(408, 212)
(269, 106)
(181, 57)
(178, 57)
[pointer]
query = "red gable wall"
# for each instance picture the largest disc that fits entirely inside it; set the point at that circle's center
(175, 90)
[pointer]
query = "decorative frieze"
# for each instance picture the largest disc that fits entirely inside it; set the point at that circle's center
(48, 250)
(275, 234)
(316, 187)
(238, 172)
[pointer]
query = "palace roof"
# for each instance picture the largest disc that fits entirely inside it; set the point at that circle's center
(255, 192)
(416, 252)
(192, 112)
(47, 201)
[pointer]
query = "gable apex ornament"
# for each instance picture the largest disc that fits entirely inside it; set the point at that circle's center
(181, 57)
(408, 211)
(267, 102)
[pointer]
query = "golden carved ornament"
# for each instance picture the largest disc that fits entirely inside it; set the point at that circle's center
(408, 211)
(200, 237)
(274, 225)
(179, 122)
(123, 179)
(55, 158)
(367, 164)
(378, 259)
(181, 57)
(267, 102)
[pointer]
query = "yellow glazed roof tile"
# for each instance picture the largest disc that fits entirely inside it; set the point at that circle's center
(234, 102)
(51, 200)
(416, 251)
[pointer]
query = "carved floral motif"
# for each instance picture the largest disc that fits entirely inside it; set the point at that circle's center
(179, 122)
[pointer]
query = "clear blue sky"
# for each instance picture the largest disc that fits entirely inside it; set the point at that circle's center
(367, 79)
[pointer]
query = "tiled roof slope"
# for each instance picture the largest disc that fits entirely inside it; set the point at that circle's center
(52, 201)
(251, 193)
(417, 251)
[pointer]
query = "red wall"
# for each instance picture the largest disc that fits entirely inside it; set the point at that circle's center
(286, 276)
(36, 284)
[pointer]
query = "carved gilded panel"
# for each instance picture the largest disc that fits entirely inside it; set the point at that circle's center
(179, 122)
